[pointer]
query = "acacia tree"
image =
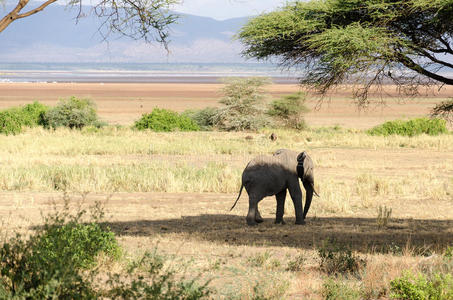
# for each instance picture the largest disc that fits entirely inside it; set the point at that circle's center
(137, 19)
(407, 42)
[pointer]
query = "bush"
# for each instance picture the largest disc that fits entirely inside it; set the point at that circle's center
(166, 120)
(243, 102)
(12, 120)
(72, 113)
(337, 259)
(438, 287)
(48, 264)
(411, 127)
(289, 110)
(33, 113)
(205, 118)
(443, 110)
(77, 243)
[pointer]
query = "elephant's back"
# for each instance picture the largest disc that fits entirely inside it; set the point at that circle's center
(265, 166)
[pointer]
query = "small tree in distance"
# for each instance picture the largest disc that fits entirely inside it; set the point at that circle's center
(289, 110)
(243, 105)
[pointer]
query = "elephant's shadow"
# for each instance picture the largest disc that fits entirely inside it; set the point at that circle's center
(360, 234)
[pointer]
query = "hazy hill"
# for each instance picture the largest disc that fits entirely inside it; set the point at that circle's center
(53, 35)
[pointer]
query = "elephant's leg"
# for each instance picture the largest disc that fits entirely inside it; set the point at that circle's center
(280, 207)
(296, 196)
(253, 210)
(258, 217)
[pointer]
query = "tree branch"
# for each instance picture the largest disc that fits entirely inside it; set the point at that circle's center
(38, 9)
(433, 58)
(12, 15)
(409, 63)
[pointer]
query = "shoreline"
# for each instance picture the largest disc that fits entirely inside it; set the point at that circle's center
(141, 79)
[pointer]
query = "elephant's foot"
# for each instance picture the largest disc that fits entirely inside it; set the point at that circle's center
(251, 222)
(259, 219)
(300, 222)
(280, 222)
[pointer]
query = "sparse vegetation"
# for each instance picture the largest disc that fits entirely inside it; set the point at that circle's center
(411, 128)
(383, 216)
(336, 259)
(297, 264)
(149, 278)
(164, 120)
(337, 290)
(266, 262)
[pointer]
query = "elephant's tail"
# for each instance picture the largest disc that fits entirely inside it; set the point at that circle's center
(240, 191)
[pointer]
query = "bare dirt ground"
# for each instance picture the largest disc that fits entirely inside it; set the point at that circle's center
(123, 103)
(189, 219)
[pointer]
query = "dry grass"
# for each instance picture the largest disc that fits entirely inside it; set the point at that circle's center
(174, 190)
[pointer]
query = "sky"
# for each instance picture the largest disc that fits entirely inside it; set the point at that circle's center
(205, 45)
(225, 9)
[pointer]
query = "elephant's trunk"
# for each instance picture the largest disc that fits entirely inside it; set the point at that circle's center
(309, 189)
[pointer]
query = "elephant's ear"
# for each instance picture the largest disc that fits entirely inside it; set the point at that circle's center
(301, 157)
(300, 164)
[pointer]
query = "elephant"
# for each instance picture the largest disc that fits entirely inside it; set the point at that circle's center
(269, 175)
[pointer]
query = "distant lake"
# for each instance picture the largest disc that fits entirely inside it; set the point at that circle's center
(139, 72)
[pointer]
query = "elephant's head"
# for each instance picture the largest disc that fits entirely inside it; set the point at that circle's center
(305, 173)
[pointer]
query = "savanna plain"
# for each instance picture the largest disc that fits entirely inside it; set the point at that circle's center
(389, 200)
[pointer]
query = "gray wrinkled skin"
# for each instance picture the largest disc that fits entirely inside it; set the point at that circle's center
(269, 175)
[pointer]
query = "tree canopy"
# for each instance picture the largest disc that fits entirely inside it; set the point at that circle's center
(407, 42)
(137, 19)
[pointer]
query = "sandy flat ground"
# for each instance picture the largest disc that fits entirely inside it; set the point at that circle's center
(123, 103)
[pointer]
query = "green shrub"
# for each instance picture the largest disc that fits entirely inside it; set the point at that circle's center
(205, 118)
(289, 110)
(243, 105)
(78, 244)
(48, 264)
(336, 290)
(72, 113)
(12, 120)
(337, 259)
(34, 113)
(411, 127)
(166, 120)
(421, 287)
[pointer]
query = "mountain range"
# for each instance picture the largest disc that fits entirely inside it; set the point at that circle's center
(53, 35)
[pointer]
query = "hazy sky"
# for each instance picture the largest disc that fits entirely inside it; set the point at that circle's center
(225, 9)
